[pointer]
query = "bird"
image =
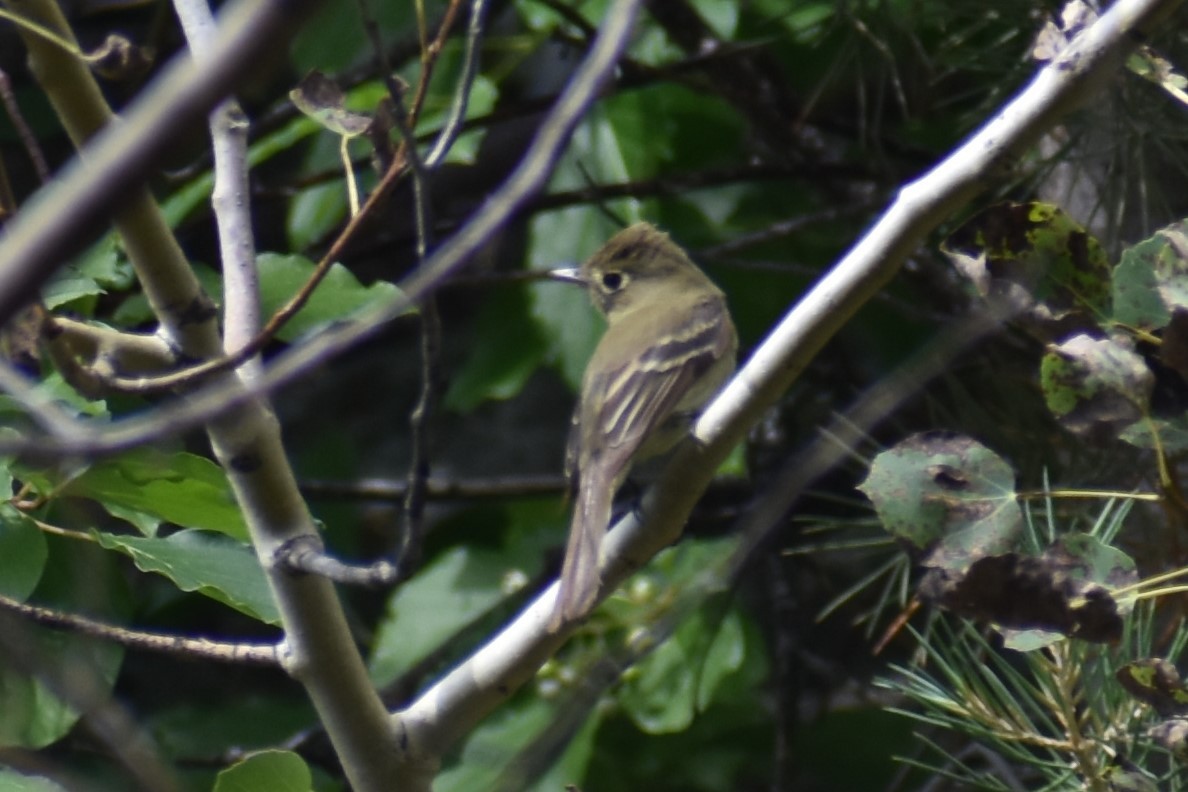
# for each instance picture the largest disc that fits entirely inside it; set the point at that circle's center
(669, 345)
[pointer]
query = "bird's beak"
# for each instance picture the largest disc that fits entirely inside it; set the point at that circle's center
(568, 275)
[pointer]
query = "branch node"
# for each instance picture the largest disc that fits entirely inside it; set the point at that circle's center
(306, 554)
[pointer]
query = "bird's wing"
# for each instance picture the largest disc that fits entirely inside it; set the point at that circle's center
(629, 400)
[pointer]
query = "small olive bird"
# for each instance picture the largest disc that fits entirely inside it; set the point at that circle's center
(669, 345)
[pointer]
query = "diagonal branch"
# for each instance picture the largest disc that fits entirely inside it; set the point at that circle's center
(121, 156)
(526, 181)
(512, 656)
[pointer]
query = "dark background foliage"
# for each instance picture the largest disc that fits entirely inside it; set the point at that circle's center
(764, 136)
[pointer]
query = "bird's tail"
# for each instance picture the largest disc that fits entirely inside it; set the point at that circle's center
(580, 579)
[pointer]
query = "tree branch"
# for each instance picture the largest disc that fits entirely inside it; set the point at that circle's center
(442, 713)
(526, 180)
(230, 197)
(121, 156)
(266, 654)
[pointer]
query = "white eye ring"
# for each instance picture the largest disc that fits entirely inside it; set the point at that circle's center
(612, 281)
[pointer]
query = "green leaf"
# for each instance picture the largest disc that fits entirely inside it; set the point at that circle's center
(1151, 279)
(181, 488)
(735, 465)
(267, 771)
(1034, 252)
(202, 729)
(507, 349)
(946, 492)
(23, 554)
(1093, 382)
(333, 39)
(209, 564)
(677, 128)
(53, 388)
(1036, 600)
(34, 716)
(1086, 558)
(805, 21)
(720, 15)
(321, 99)
(489, 759)
(1137, 302)
(80, 579)
(8, 433)
(56, 388)
(316, 211)
(336, 298)
(12, 781)
(449, 593)
(100, 269)
(681, 676)
(1172, 433)
(723, 658)
(1155, 681)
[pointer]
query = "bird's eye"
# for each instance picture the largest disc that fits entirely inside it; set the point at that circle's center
(611, 281)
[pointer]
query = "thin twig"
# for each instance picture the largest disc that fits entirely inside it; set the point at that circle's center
(263, 654)
(230, 196)
(470, 63)
(188, 376)
(121, 155)
(24, 133)
(528, 178)
(307, 554)
(421, 417)
(430, 322)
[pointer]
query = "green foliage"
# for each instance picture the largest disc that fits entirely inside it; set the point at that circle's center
(222, 569)
(1091, 382)
(492, 758)
(460, 586)
(662, 696)
(861, 95)
(464, 586)
(315, 212)
(1038, 255)
(1098, 377)
(337, 297)
(147, 487)
(1156, 266)
(266, 771)
(35, 711)
(199, 731)
(100, 269)
(23, 553)
(1024, 711)
(933, 488)
(1095, 377)
(13, 781)
(494, 369)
